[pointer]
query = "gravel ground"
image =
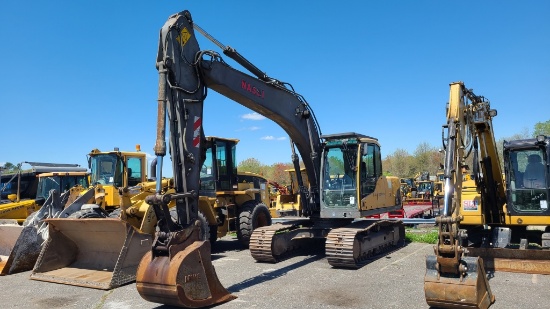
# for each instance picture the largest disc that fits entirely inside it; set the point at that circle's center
(302, 281)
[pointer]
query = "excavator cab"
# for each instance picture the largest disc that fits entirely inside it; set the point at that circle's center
(351, 173)
(527, 176)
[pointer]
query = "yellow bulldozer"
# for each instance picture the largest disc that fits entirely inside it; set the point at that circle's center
(101, 251)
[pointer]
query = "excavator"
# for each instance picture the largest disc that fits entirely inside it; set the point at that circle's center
(344, 174)
(499, 219)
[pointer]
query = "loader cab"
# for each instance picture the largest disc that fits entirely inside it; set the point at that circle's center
(219, 171)
(527, 176)
(116, 169)
(351, 165)
(61, 182)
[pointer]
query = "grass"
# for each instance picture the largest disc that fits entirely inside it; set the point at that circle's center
(428, 237)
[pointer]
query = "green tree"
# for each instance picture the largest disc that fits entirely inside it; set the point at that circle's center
(8, 168)
(398, 163)
(426, 159)
(251, 165)
(542, 128)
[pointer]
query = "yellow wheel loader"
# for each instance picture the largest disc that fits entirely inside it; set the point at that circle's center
(230, 201)
(94, 250)
(499, 219)
(12, 252)
(109, 171)
(288, 201)
(27, 190)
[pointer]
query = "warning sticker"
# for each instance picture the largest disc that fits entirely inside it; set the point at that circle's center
(183, 37)
(470, 205)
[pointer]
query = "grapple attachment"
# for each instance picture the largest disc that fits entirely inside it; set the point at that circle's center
(452, 291)
(97, 253)
(185, 277)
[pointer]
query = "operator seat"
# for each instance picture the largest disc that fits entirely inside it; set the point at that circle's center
(534, 173)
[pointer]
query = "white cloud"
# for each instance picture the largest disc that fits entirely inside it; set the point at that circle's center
(253, 116)
(273, 138)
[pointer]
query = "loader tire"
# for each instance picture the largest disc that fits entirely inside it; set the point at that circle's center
(86, 214)
(251, 217)
(206, 230)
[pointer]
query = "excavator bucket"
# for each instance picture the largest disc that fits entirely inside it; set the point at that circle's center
(97, 253)
(9, 232)
(184, 278)
(448, 291)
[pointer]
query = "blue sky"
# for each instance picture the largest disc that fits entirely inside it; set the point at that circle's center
(78, 75)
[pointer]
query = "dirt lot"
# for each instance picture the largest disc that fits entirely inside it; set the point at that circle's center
(302, 281)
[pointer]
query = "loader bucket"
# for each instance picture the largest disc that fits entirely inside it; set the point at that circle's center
(9, 232)
(186, 278)
(95, 253)
(448, 291)
(25, 251)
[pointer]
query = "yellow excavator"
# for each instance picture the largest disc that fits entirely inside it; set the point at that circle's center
(497, 220)
(344, 171)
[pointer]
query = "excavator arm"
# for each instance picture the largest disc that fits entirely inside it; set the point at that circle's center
(185, 73)
(454, 280)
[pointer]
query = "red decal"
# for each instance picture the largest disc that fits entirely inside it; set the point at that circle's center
(197, 131)
(252, 89)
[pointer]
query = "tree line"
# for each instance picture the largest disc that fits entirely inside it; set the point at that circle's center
(400, 163)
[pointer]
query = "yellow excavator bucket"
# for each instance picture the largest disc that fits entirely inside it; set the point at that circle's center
(448, 291)
(97, 253)
(185, 277)
(9, 231)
